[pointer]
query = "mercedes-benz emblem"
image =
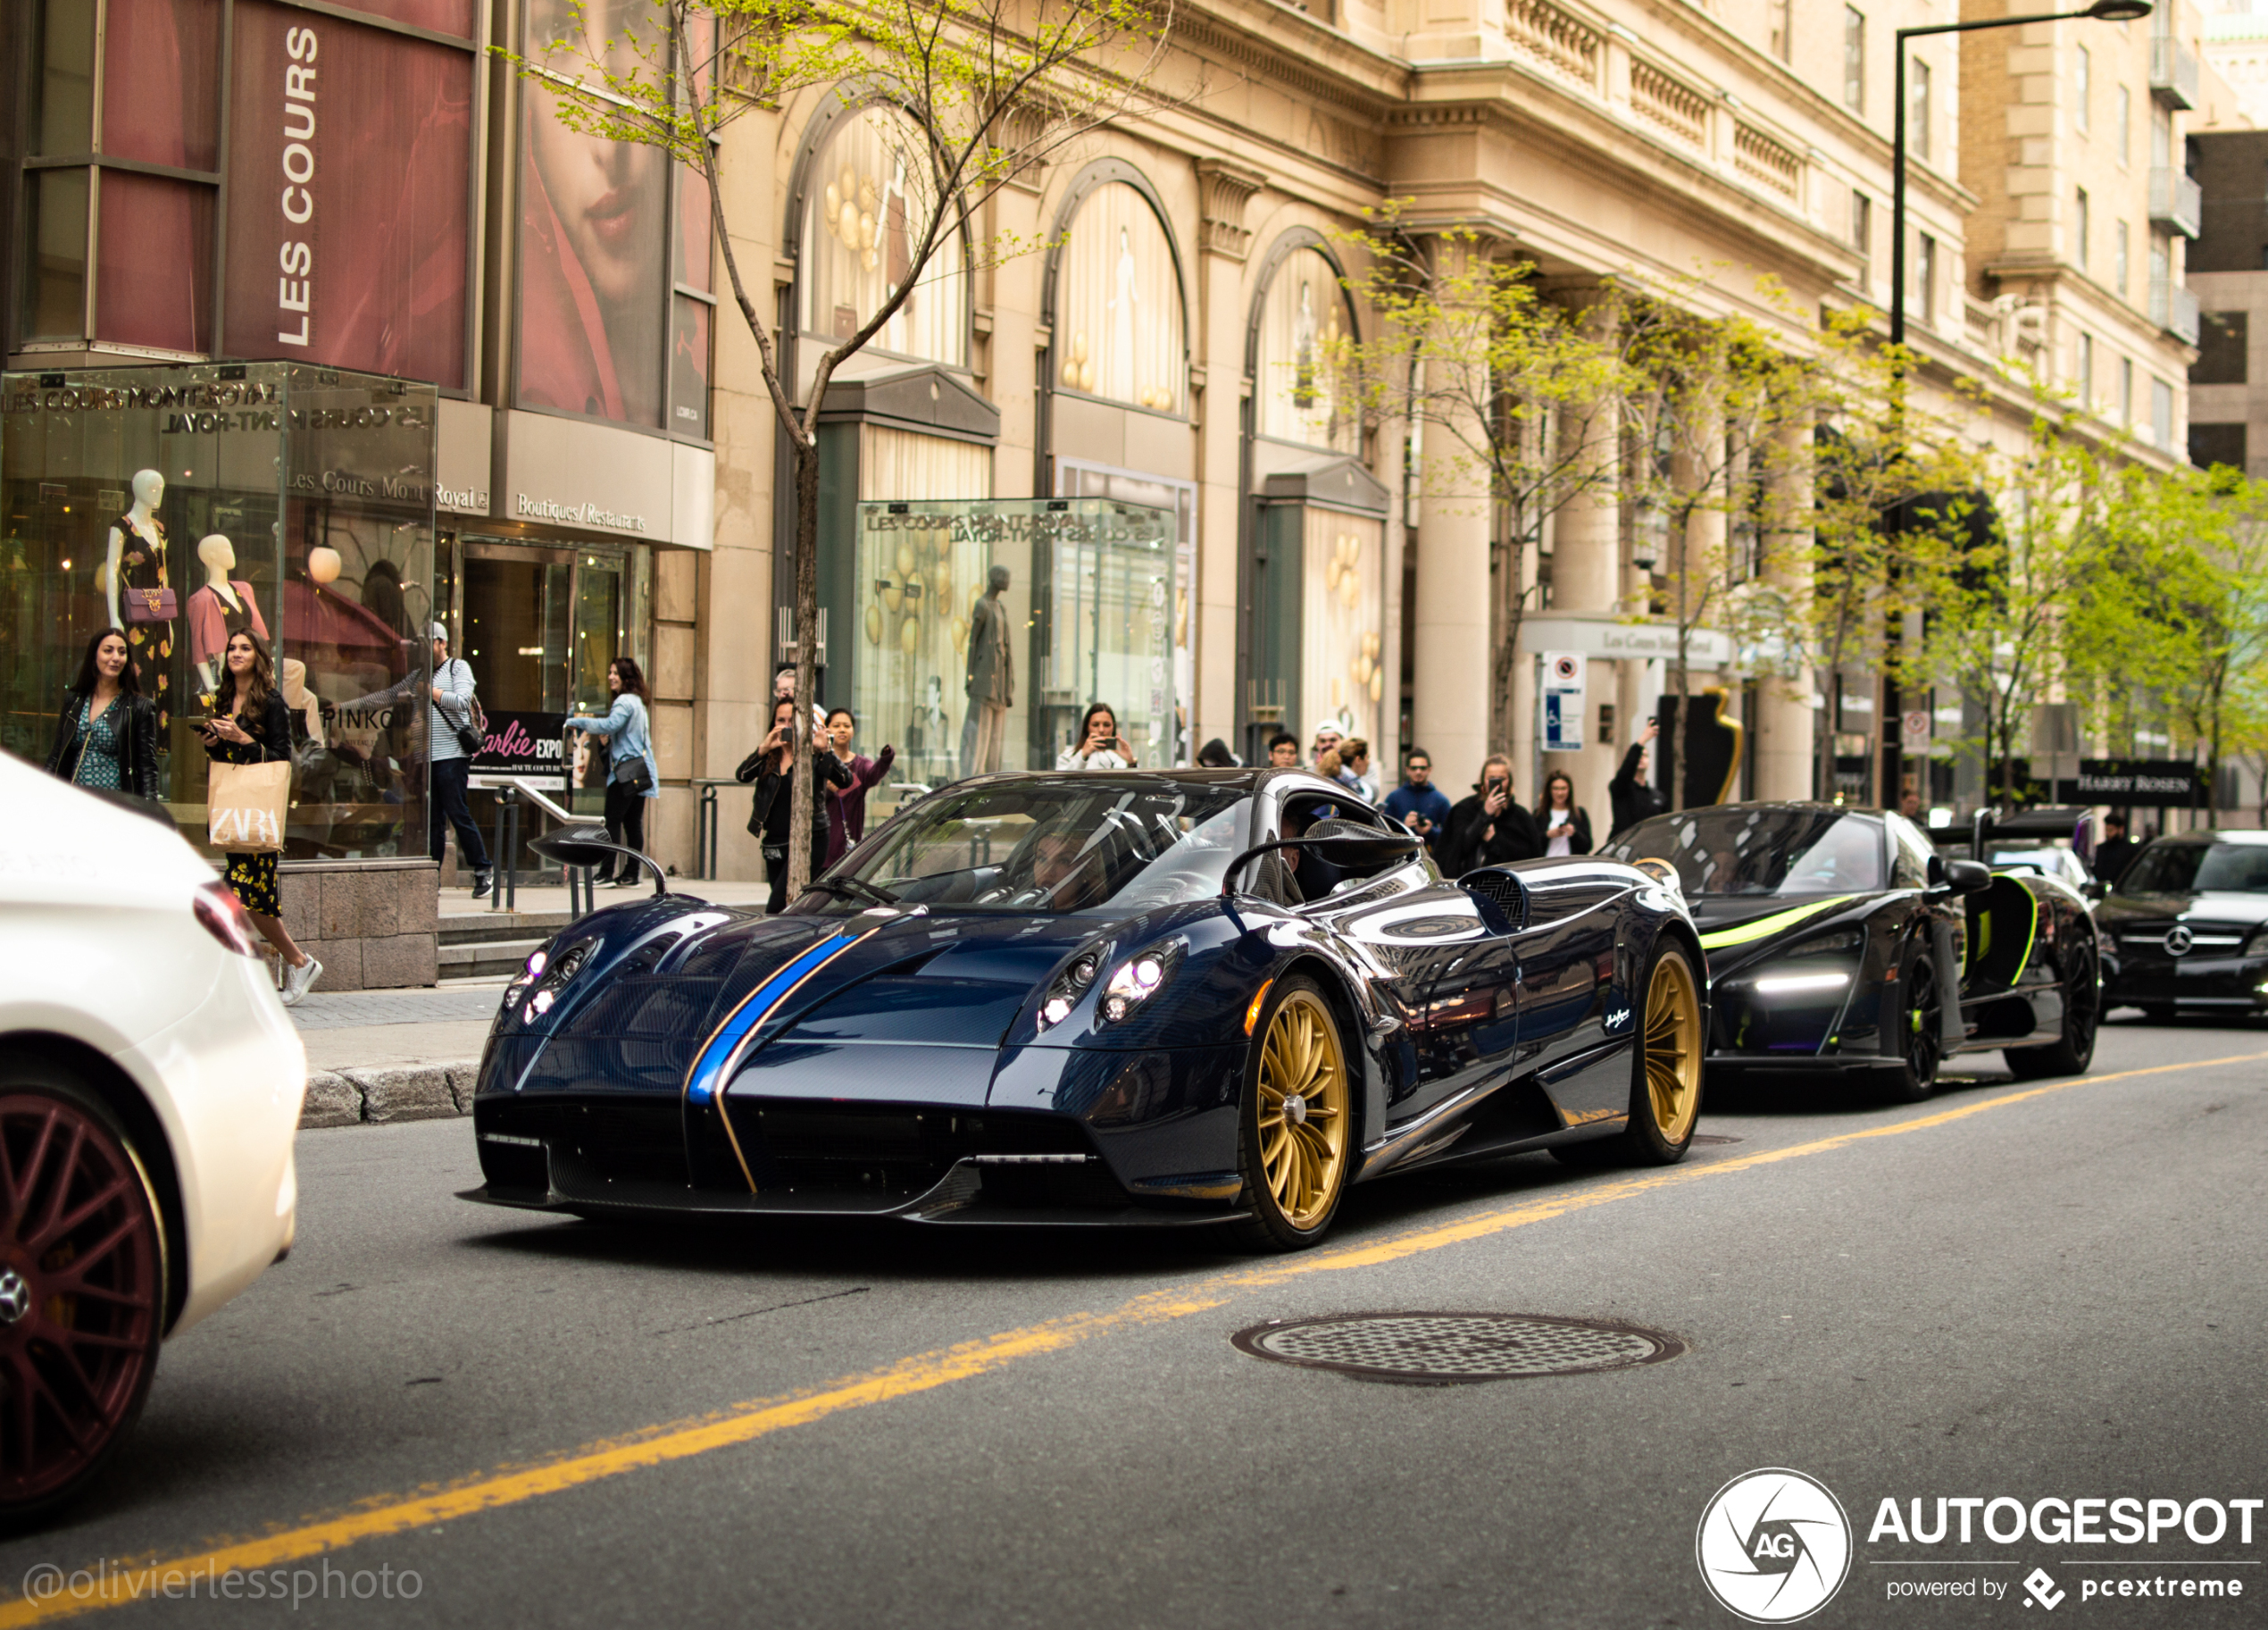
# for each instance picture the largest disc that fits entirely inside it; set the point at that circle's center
(2178, 940)
(15, 1296)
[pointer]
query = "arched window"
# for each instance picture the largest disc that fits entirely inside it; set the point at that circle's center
(1118, 312)
(1303, 319)
(867, 198)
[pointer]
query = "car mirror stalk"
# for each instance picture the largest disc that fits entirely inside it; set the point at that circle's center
(589, 846)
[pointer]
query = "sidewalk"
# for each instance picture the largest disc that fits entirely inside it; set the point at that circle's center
(534, 900)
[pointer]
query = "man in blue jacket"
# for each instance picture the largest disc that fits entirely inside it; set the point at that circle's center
(1420, 805)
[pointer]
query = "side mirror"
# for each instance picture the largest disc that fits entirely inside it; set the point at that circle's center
(1967, 876)
(589, 846)
(2095, 889)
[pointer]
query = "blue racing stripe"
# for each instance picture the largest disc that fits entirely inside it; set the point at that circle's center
(723, 1048)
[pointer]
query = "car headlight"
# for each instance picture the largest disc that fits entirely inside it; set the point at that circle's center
(537, 984)
(2257, 946)
(1826, 945)
(1802, 968)
(1063, 993)
(1137, 979)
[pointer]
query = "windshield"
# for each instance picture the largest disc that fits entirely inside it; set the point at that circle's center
(2198, 868)
(1049, 845)
(1765, 851)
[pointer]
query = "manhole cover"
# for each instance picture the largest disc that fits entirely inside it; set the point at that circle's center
(1439, 1349)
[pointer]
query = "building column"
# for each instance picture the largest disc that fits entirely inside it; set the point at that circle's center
(1450, 720)
(1587, 577)
(1225, 191)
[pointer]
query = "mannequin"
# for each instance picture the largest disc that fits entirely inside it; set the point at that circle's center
(991, 679)
(221, 608)
(140, 595)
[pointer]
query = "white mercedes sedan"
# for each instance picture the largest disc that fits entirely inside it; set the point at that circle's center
(150, 1084)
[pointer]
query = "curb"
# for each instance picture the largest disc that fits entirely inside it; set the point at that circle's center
(380, 1096)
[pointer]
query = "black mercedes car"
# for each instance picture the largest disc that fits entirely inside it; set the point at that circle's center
(2186, 927)
(1190, 996)
(1841, 942)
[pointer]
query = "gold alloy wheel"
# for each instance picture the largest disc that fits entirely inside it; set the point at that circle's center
(1302, 1110)
(1673, 1047)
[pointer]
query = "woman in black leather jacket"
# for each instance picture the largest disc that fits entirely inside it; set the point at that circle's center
(106, 735)
(772, 767)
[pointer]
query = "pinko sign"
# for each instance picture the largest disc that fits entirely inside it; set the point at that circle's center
(522, 744)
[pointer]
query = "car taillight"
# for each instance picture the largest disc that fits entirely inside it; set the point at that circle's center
(223, 916)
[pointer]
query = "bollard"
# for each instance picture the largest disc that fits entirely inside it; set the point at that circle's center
(705, 835)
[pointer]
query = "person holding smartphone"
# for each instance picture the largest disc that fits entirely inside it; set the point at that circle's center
(1632, 791)
(772, 767)
(1565, 825)
(1099, 746)
(1421, 805)
(1490, 829)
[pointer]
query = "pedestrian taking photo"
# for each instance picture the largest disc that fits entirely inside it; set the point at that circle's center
(1490, 829)
(1099, 746)
(773, 768)
(1419, 805)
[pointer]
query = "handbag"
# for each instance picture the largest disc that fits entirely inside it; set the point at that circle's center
(150, 604)
(472, 733)
(243, 805)
(633, 774)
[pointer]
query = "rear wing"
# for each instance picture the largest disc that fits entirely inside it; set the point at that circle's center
(2066, 822)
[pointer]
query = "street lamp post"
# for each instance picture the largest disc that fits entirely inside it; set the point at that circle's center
(2102, 11)
(1886, 706)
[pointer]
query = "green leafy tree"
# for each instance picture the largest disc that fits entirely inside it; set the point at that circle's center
(992, 89)
(1720, 421)
(1511, 395)
(1998, 596)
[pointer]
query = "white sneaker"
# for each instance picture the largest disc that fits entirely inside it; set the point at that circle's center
(297, 980)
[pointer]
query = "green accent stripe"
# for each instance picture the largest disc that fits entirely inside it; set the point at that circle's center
(1764, 928)
(2031, 927)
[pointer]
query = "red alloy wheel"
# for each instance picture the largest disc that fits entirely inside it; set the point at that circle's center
(82, 1277)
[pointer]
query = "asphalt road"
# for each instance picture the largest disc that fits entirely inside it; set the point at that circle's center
(2049, 1290)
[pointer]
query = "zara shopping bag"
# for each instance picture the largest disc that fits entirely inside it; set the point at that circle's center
(243, 805)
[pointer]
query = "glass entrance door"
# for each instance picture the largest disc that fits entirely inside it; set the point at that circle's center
(517, 607)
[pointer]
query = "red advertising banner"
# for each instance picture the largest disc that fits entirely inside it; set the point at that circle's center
(349, 165)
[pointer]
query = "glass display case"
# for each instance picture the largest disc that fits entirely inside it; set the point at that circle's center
(1101, 626)
(182, 504)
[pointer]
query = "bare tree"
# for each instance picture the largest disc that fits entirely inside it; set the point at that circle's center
(991, 90)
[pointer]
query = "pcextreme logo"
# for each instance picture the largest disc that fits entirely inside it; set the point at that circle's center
(1774, 1546)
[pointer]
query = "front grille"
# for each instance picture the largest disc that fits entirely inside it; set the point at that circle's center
(899, 1151)
(642, 1140)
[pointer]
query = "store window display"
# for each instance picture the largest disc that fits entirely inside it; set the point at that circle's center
(869, 197)
(1342, 643)
(137, 580)
(1303, 327)
(1119, 322)
(310, 493)
(225, 605)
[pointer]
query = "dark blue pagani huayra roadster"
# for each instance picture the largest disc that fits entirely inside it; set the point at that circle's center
(1194, 997)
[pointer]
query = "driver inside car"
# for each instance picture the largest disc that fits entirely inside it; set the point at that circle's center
(1059, 868)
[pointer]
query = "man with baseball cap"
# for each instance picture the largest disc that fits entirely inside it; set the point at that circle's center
(448, 767)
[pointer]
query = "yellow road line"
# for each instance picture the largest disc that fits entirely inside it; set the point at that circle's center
(116, 1584)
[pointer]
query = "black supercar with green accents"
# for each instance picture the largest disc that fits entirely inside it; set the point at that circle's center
(1839, 942)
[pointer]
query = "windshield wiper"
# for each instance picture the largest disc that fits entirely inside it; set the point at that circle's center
(860, 886)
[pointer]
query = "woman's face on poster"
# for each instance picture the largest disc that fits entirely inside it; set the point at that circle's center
(608, 194)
